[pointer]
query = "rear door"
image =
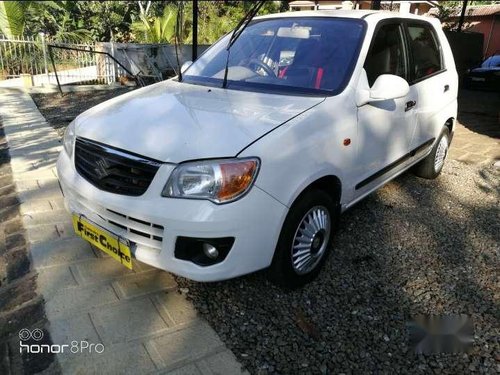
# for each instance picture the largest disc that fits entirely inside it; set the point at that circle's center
(429, 78)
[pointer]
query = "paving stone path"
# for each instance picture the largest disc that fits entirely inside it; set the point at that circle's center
(20, 305)
(139, 317)
(472, 147)
(477, 135)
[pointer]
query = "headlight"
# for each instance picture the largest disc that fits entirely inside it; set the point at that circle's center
(220, 181)
(69, 139)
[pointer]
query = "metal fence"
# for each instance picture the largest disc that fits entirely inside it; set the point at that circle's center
(34, 58)
(33, 61)
(151, 62)
(84, 64)
(21, 55)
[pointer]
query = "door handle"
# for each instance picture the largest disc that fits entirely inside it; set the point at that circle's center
(446, 88)
(410, 105)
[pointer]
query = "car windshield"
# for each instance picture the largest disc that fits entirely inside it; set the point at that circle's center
(287, 55)
(492, 61)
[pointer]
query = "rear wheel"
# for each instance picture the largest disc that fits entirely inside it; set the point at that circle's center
(304, 240)
(432, 165)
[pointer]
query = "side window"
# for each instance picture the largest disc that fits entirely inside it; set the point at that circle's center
(425, 49)
(387, 53)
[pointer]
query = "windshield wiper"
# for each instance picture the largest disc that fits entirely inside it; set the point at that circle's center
(177, 32)
(237, 32)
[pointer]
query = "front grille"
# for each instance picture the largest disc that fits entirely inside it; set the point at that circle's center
(113, 170)
(138, 231)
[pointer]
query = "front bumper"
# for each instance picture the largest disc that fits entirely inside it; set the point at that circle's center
(152, 223)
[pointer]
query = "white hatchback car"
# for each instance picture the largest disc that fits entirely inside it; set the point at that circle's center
(246, 161)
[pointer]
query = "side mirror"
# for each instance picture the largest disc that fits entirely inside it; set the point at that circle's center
(185, 66)
(386, 87)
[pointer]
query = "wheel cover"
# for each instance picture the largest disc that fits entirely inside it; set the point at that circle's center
(441, 152)
(311, 239)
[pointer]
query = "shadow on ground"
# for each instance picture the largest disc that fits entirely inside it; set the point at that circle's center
(480, 111)
(59, 110)
(20, 306)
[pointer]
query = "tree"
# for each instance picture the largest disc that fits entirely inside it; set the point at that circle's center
(123, 21)
(217, 18)
(105, 20)
(447, 13)
(15, 14)
(12, 17)
(159, 29)
(68, 30)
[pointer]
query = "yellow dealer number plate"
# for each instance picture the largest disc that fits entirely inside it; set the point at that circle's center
(102, 239)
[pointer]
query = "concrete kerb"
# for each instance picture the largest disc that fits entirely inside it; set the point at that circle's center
(70, 88)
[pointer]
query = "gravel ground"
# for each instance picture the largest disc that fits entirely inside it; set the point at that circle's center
(59, 110)
(414, 247)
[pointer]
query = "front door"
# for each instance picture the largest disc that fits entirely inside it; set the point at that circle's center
(385, 128)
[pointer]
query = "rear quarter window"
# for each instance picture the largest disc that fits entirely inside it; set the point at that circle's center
(425, 49)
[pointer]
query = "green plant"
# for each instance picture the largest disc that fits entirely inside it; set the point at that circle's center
(13, 17)
(447, 12)
(159, 29)
(106, 20)
(15, 14)
(68, 30)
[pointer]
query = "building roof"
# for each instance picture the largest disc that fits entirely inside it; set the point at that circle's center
(301, 3)
(305, 3)
(472, 11)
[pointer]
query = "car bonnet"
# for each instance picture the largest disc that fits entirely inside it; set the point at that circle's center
(174, 122)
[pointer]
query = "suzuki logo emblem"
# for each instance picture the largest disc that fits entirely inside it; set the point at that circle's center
(102, 168)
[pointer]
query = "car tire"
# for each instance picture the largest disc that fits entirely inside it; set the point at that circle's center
(432, 165)
(305, 240)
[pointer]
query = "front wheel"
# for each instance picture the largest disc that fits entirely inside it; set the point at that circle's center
(305, 240)
(432, 165)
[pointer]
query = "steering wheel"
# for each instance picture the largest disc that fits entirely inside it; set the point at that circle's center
(262, 65)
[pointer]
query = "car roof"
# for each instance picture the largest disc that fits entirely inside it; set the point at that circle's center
(370, 16)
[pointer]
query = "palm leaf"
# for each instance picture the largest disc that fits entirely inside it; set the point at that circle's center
(157, 30)
(13, 14)
(13, 17)
(168, 21)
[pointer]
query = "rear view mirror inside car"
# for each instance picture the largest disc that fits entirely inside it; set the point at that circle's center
(294, 32)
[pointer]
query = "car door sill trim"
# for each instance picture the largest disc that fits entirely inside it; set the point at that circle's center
(394, 164)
